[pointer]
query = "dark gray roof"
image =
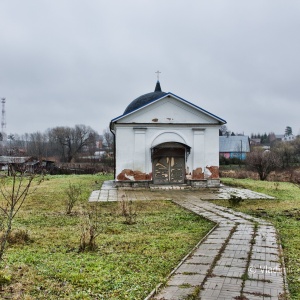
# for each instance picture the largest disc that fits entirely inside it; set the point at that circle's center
(234, 144)
(145, 99)
(149, 98)
(157, 87)
(13, 159)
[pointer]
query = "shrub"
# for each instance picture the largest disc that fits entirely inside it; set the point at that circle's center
(93, 224)
(235, 200)
(89, 230)
(73, 195)
(230, 161)
(14, 191)
(19, 236)
(128, 211)
(262, 162)
(4, 279)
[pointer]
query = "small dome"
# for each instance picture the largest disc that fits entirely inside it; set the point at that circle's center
(145, 99)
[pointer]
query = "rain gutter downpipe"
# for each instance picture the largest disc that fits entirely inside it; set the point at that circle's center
(113, 132)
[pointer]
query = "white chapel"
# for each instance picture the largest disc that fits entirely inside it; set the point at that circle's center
(164, 139)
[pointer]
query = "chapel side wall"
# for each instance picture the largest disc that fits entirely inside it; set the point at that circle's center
(204, 159)
(212, 152)
(212, 146)
(124, 149)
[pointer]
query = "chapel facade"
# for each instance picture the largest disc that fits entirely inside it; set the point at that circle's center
(164, 139)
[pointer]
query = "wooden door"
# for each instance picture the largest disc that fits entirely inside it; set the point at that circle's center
(169, 170)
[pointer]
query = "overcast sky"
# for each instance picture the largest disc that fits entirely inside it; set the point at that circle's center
(68, 62)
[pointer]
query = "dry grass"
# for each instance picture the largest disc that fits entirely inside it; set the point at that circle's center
(129, 262)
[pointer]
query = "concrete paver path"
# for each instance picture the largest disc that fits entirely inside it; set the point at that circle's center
(240, 259)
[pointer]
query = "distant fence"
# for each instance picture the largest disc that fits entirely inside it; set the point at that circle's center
(280, 175)
(79, 168)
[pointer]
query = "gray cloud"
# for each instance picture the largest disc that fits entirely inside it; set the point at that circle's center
(73, 62)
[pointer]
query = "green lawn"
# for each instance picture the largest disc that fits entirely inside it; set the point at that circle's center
(130, 259)
(284, 213)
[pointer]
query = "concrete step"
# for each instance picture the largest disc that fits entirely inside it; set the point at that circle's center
(169, 187)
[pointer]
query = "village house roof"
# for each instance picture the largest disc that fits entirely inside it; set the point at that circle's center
(149, 98)
(234, 144)
(14, 160)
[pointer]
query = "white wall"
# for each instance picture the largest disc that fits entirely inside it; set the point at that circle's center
(166, 120)
(133, 145)
(168, 110)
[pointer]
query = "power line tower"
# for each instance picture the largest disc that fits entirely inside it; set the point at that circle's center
(3, 121)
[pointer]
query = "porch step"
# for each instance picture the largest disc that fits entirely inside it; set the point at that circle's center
(169, 187)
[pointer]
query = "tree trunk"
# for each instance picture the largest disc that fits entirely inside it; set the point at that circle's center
(6, 234)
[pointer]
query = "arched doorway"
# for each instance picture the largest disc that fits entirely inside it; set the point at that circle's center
(168, 163)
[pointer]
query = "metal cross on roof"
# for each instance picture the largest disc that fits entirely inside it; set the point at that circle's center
(157, 72)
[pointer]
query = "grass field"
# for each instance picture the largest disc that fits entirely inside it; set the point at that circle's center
(284, 213)
(130, 259)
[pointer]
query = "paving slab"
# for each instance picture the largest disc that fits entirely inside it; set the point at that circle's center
(109, 190)
(241, 256)
(170, 292)
(187, 268)
(232, 261)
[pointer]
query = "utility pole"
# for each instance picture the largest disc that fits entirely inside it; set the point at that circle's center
(3, 121)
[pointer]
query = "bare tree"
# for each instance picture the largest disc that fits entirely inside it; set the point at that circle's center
(14, 191)
(108, 140)
(295, 178)
(17, 144)
(296, 144)
(286, 153)
(71, 141)
(262, 162)
(38, 144)
(224, 130)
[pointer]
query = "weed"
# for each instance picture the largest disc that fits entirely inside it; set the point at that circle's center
(91, 226)
(185, 285)
(283, 296)
(235, 200)
(195, 294)
(19, 236)
(245, 276)
(73, 193)
(128, 211)
(241, 298)
(276, 185)
(4, 279)
(260, 294)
